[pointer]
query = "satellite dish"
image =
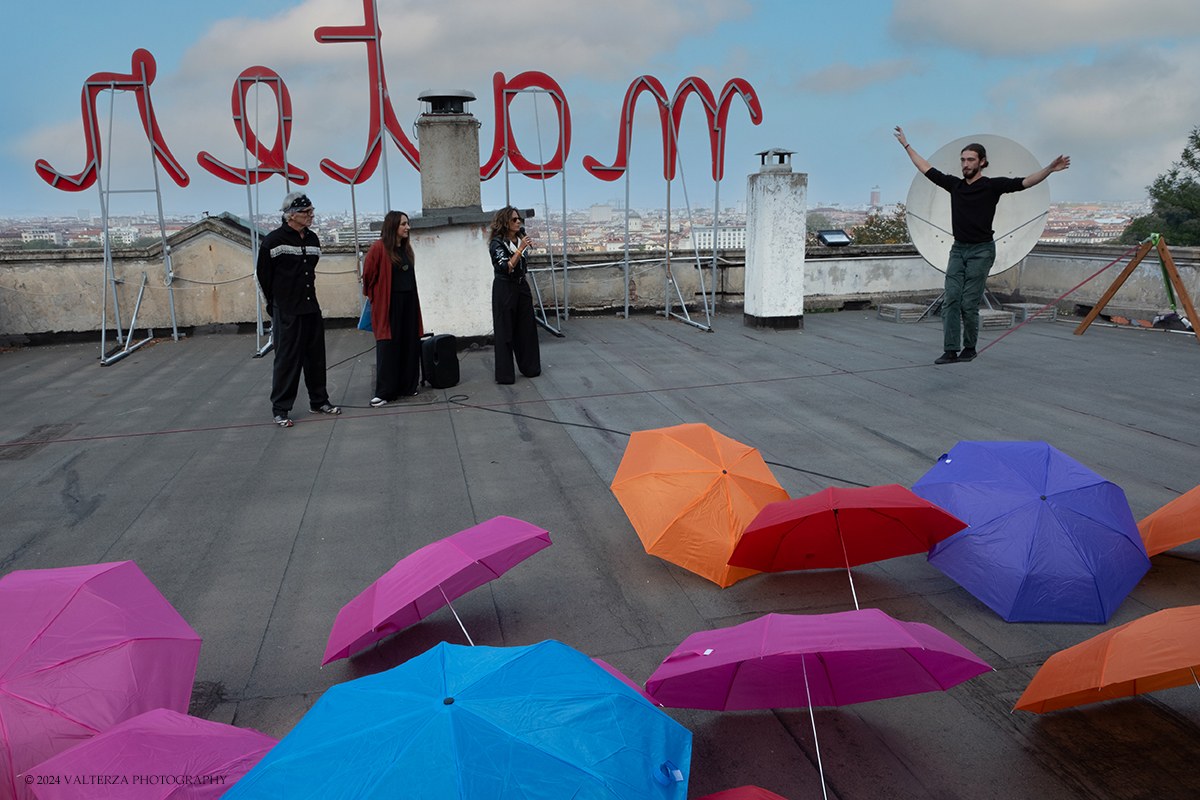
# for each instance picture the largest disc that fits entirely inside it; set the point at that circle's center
(1020, 216)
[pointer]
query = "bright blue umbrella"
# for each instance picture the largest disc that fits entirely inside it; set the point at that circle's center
(1049, 539)
(543, 721)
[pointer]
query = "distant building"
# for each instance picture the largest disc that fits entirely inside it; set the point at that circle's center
(601, 212)
(729, 237)
(875, 198)
(122, 235)
(346, 236)
(41, 235)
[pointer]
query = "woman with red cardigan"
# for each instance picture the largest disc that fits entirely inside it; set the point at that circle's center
(391, 285)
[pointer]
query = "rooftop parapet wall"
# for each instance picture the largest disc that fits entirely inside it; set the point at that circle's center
(50, 291)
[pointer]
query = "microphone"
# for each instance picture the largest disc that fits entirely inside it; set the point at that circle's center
(521, 235)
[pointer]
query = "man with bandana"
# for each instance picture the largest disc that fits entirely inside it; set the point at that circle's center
(973, 199)
(286, 273)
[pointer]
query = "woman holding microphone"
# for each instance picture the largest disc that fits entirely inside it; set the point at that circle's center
(512, 301)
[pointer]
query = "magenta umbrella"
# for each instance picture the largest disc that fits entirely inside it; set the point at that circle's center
(616, 673)
(798, 661)
(82, 649)
(430, 578)
(157, 755)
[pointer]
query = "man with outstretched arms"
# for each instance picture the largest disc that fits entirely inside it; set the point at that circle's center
(973, 199)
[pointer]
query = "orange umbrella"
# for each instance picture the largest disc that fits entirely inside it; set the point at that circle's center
(1158, 651)
(1176, 523)
(690, 492)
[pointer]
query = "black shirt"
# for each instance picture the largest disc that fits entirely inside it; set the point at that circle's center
(403, 279)
(973, 205)
(287, 262)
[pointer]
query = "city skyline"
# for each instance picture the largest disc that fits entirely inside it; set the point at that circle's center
(1078, 82)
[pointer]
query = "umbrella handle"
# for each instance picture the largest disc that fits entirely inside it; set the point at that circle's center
(455, 613)
(837, 524)
(816, 744)
(667, 773)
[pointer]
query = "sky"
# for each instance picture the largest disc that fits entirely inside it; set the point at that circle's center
(1111, 83)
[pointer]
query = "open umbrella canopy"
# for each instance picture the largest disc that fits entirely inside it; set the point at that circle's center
(744, 793)
(801, 661)
(489, 723)
(1158, 651)
(689, 492)
(154, 756)
(81, 649)
(1176, 523)
(1049, 539)
(430, 578)
(842, 528)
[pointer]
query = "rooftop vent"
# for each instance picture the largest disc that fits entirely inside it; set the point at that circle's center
(451, 102)
(775, 160)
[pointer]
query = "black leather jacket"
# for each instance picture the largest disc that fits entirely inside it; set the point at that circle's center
(286, 270)
(500, 254)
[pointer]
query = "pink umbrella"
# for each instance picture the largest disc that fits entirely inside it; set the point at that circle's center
(616, 673)
(797, 661)
(430, 578)
(157, 755)
(744, 793)
(83, 648)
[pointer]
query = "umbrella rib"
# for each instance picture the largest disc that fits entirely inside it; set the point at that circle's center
(667, 526)
(91, 653)
(508, 735)
(48, 709)
(1080, 556)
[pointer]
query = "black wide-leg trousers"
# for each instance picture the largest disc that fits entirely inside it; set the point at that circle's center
(398, 360)
(515, 330)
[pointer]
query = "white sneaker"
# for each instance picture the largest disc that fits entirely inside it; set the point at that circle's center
(377, 402)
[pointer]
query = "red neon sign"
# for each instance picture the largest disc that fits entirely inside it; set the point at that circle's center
(141, 75)
(273, 161)
(369, 34)
(670, 114)
(504, 93)
(382, 116)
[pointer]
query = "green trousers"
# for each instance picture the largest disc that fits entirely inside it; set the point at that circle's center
(966, 276)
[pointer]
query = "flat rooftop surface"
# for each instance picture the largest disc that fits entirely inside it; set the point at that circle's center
(259, 535)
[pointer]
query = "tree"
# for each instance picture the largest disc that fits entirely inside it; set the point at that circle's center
(817, 222)
(879, 229)
(1176, 198)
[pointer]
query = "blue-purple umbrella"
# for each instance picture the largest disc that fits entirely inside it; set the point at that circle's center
(1049, 539)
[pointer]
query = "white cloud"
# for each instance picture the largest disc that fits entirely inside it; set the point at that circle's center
(1019, 27)
(844, 77)
(1123, 119)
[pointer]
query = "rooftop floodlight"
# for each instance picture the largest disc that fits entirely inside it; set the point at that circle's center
(834, 238)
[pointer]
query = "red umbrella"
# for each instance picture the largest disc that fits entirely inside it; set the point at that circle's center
(154, 756)
(842, 528)
(430, 578)
(81, 649)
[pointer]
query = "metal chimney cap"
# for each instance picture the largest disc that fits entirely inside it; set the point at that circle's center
(446, 102)
(775, 160)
